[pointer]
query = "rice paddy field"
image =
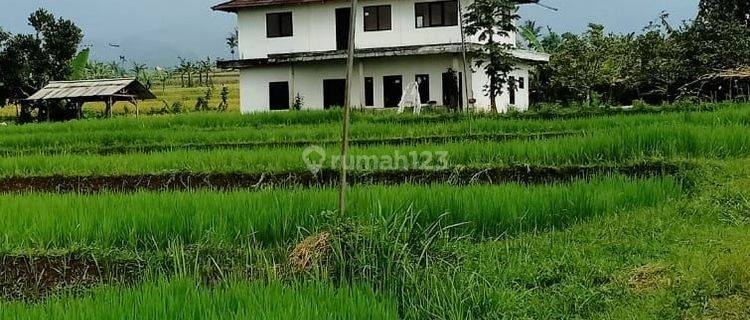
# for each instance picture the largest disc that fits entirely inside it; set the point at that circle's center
(220, 216)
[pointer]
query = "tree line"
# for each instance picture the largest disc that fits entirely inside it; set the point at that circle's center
(191, 73)
(663, 63)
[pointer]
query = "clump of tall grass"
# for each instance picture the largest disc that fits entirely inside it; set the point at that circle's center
(152, 220)
(187, 299)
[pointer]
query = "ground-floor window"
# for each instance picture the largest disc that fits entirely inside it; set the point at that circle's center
(512, 84)
(392, 91)
(369, 91)
(278, 95)
(424, 87)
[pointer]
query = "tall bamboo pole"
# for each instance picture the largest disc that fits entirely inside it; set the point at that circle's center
(347, 107)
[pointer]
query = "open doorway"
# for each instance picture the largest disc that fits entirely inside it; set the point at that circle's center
(334, 93)
(392, 91)
(453, 89)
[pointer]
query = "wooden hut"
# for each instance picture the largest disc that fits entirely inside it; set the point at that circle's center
(75, 93)
(732, 85)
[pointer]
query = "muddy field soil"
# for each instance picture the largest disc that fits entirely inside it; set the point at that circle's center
(326, 178)
(36, 277)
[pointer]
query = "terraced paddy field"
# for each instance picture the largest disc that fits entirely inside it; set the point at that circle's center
(635, 215)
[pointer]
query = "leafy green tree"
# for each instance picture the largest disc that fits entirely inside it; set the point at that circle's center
(590, 64)
(711, 11)
(658, 70)
(28, 62)
(718, 45)
(490, 21)
(656, 65)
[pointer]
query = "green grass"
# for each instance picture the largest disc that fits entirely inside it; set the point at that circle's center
(186, 299)
(609, 248)
(684, 259)
(380, 121)
(216, 131)
(153, 220)
(616, 145)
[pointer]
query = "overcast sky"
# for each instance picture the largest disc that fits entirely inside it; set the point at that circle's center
(157, 31)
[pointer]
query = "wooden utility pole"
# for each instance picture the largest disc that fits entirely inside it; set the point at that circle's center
(347, 107)
(467, 73)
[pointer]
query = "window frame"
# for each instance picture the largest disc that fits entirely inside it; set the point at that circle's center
(427, 17)
(280, 16)
(378, 11)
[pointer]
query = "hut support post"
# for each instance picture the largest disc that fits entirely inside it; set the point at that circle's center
(135, 103)
(108, 108)
(79, 110)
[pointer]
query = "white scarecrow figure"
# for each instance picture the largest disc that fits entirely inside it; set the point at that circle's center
(411, 98)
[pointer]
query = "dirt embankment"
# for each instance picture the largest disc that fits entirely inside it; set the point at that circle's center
(35, 277)
(233, 181)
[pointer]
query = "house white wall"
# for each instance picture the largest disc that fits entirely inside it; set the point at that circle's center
(306, 79)
(483, 102)
(314, 29)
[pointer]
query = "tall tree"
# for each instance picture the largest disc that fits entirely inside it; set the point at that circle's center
(28, 62)
(725, 10)
(592, 63)
(491, 21)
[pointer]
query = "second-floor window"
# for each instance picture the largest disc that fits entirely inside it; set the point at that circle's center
(436, 14)
(279, 24)
(378, 18)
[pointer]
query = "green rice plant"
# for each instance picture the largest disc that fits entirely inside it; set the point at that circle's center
(616, 145)
(153, 220)
(187, 299)
(222, 131)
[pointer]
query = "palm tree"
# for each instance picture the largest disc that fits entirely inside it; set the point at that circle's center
(139, 70)
(189, 69)
(117, 70)
(205, 67)
(182, 69)
(233, 41)
(163, 75)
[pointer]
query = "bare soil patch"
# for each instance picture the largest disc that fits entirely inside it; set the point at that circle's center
(650, 277)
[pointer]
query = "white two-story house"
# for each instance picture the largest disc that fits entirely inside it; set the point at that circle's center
(295, 50)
